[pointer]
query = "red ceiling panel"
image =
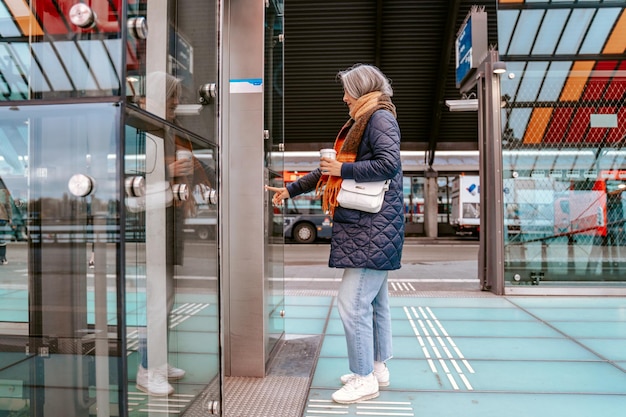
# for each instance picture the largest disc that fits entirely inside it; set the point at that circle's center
(55, 17)
(579, 125)
(618, 133)
(48, 15)
(558, 125)
(598, 81)
(617, 87)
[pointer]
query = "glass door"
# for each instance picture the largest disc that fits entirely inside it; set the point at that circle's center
(171, 269)
(62, 332)
(170, 209)
(108, 218)
(273, 121)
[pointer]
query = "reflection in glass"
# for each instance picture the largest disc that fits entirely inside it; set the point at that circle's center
(171, 263)
(61, 321)
(274, 126)
(47, 56)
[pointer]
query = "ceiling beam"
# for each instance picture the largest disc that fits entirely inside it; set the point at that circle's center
(448, 38)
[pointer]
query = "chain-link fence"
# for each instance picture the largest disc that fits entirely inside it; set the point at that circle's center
(564, 172)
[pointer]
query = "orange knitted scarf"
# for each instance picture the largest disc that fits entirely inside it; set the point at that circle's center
(348, 141)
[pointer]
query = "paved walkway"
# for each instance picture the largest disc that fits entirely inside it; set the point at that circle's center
(462, 352)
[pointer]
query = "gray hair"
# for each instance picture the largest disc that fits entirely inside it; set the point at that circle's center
(362, 79)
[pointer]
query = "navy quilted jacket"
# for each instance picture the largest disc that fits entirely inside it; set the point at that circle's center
(360, 239)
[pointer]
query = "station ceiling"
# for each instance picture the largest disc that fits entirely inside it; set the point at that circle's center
(411, 41)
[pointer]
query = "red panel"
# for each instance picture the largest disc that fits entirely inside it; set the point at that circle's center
(579, 125)
(558, 125)
(132, 63)
(47, 14)
(596, 135)
(617, 134)
(107, 16)
(108, 13)
(597, 81)
(617, 87)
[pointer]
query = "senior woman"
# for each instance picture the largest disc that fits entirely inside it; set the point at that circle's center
(366, 245)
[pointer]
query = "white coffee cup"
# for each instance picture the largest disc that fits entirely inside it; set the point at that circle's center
(328, 153)
(183, 154)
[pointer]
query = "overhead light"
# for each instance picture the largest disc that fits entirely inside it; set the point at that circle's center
(470, 104)
(499, 67)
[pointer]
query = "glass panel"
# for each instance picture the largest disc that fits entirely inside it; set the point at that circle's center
(8, 28)
(171, 265)
(60, 50)
(575, 31)
(598, 32)
(530, 85)
(555, 80)
(506, 24)
(550, 31)
(274, 123)
(523, 40)
(184, 44)
(171, 208)
(71, 198)
(564, 178)
(60, 329)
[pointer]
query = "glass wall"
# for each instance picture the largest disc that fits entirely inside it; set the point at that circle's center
(62, 333)
(274, 147)
(171, 267)
(170, 206)
(564, 126)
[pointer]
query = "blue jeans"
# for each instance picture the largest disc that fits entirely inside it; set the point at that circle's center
(363, 302)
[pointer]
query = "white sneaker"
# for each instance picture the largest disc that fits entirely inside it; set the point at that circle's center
(153, 382)
(358, 388)
(381, 376)
(174, 373)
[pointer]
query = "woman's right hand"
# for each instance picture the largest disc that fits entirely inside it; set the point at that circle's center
(280, 194)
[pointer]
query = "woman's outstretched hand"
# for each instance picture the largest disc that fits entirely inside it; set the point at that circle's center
(280, 193)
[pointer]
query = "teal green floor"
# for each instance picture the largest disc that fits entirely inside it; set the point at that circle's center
(482, 356)
(453, 356)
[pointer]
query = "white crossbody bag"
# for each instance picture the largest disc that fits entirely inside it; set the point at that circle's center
(364, 196)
